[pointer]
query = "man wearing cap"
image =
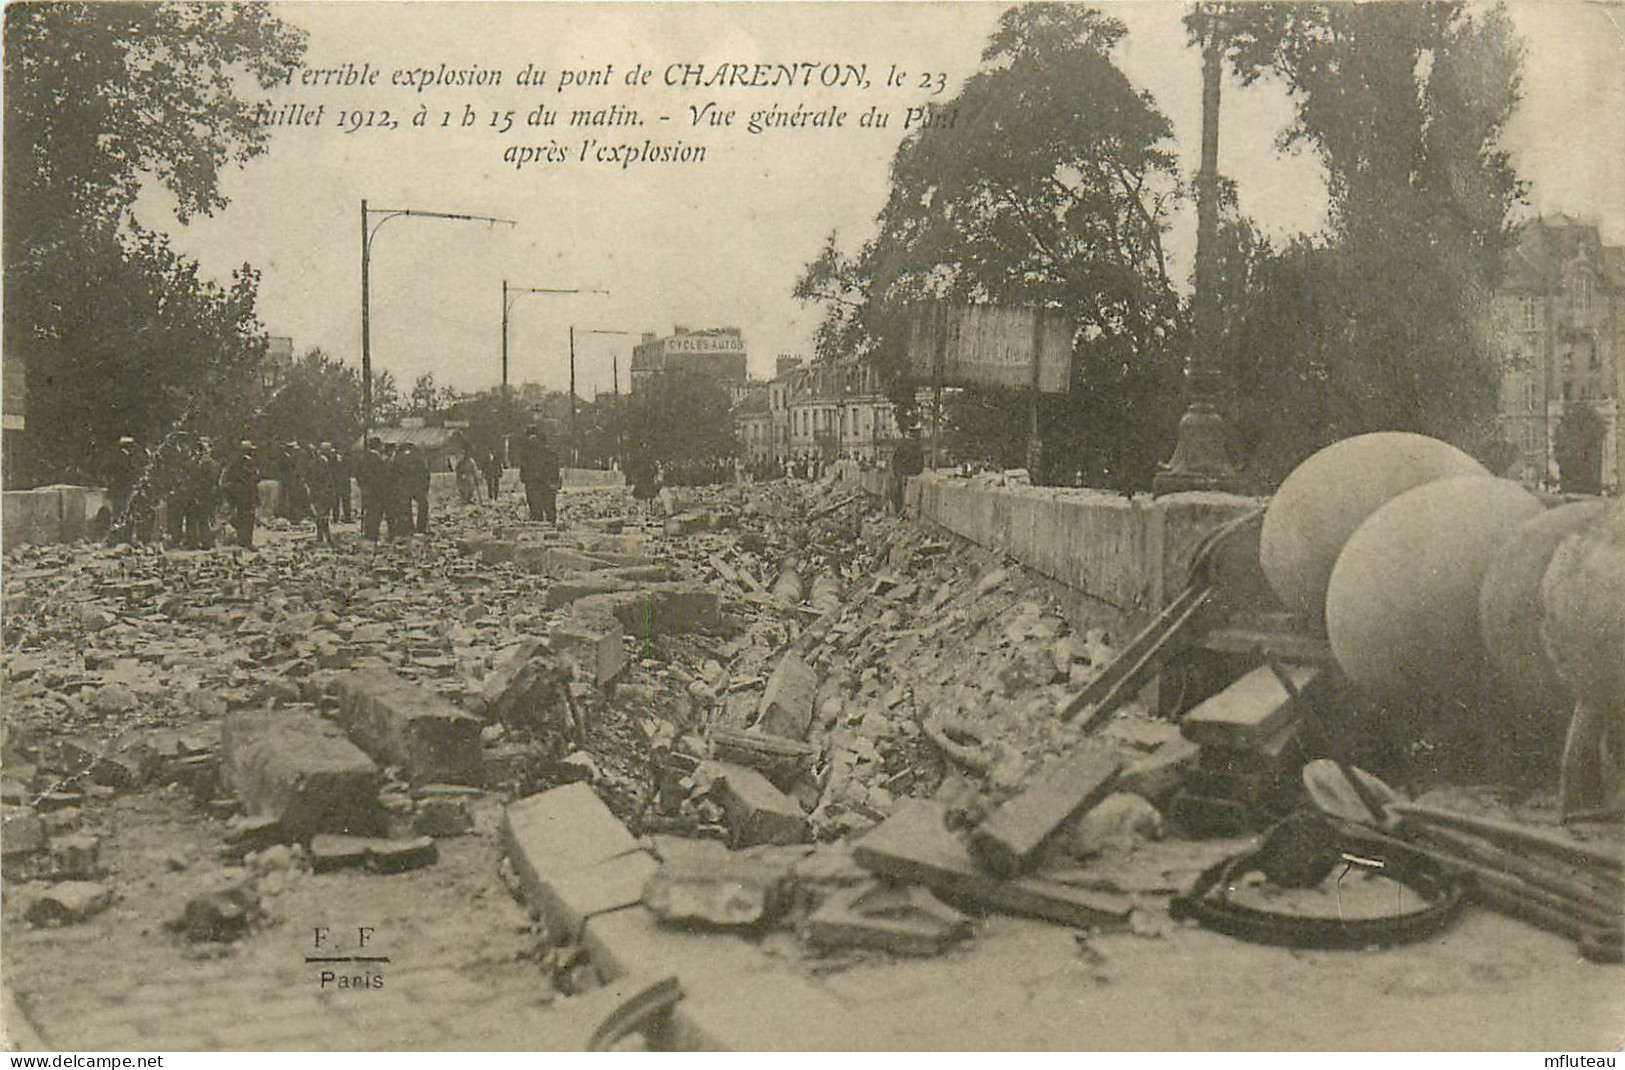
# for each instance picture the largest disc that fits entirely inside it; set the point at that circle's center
(238, 483)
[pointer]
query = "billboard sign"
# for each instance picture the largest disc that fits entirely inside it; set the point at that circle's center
(990, 345)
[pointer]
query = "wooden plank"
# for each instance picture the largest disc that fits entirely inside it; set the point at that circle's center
(1145, 653)
(1515, 836)
(915, 845)
(1008, 841)
(1286, 646)
(1252, 710)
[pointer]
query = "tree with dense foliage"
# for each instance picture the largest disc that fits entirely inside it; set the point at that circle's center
(1381, 324)
(679, 418)
(119, 334)
(1050, 190)
(314, 399)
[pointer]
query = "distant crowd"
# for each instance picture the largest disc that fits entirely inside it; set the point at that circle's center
(183, 484)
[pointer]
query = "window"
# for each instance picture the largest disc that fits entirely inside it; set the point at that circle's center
(1582, 293)
(1531, 437)
(1529, 395)
(1527, 307)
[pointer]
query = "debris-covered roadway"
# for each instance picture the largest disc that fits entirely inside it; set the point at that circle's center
(803, 754)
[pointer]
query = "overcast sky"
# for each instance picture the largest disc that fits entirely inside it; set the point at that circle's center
(721, 243)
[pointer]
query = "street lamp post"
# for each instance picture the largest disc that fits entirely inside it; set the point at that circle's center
(1201, 459)
(369, 231)
(575, 443)
(510, 294)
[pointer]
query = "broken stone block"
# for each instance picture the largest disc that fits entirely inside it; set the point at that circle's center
(597, 647)
(527, 686)
(68, 903)
(914, 845)
(398, 856)
(75, 858)
(409, 726)
(558, 832)
(123, 771)
(707, 885)
(567, 590)
(757, 812)
(245, 835)
(687, 523)
(300, 769)
(22, 840)
(570, 900)
(656, 609)
(555, 560)
(224, 909)
(787, 704)
(1008, 841)
(329, 852)
(826, 593)
(783, 761)
(906, 920)
(442, 816)
(113, 698)
(787, 588)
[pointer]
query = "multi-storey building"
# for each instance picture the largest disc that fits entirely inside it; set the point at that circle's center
(718, 353)
(827, 409)
(1560, 318)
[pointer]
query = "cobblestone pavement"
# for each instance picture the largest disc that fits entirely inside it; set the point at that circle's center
(462, 972)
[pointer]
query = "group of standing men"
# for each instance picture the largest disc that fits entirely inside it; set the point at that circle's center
(394, 485)
(186, 479)
(315, 482)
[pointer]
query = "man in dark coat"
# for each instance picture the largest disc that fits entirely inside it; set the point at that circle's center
(372, 473)
(491, 465)
(238, 483)
(317, 476)
(203, 498)
(173, 483)
(414, 488)
(539, 472)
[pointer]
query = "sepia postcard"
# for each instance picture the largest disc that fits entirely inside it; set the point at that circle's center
(928, 526)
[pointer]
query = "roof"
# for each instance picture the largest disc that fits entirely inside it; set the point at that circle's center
(1545, 244)
(424, 438)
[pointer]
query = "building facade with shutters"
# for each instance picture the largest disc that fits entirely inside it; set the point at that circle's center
(1559, 321)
